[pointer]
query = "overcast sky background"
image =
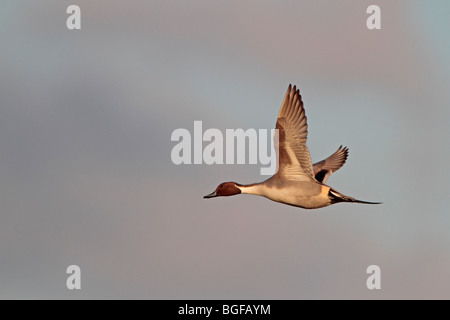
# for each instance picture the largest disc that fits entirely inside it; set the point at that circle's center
(86, 176)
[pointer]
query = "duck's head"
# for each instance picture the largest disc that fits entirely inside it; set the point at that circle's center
(225, 189)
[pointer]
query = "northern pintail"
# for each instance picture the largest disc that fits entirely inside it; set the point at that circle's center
(297, 182)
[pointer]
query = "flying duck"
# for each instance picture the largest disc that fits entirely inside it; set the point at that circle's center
(297, 182)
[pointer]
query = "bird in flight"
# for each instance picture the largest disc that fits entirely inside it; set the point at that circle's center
(297, 182)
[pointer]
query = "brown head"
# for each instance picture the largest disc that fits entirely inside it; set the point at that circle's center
(224, 190)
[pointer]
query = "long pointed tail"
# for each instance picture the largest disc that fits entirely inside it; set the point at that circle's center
(336, 197)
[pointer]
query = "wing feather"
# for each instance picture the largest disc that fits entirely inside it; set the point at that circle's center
(323, 169)
(294, 159)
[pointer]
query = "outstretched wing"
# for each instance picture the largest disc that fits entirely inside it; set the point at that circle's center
(294, 159)
(323, 169)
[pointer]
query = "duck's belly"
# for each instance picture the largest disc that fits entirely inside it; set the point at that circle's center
(312, 198)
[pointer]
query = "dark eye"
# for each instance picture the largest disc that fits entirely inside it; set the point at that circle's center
(221, 186)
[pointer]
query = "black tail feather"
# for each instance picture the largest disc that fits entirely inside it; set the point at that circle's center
(337, 197)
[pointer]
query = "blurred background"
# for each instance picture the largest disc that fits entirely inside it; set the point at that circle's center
(86, 176)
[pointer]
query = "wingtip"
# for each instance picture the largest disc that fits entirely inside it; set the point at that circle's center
(292, 89)
(343, 149)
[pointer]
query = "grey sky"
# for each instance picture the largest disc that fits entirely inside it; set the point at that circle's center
(86, 176)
